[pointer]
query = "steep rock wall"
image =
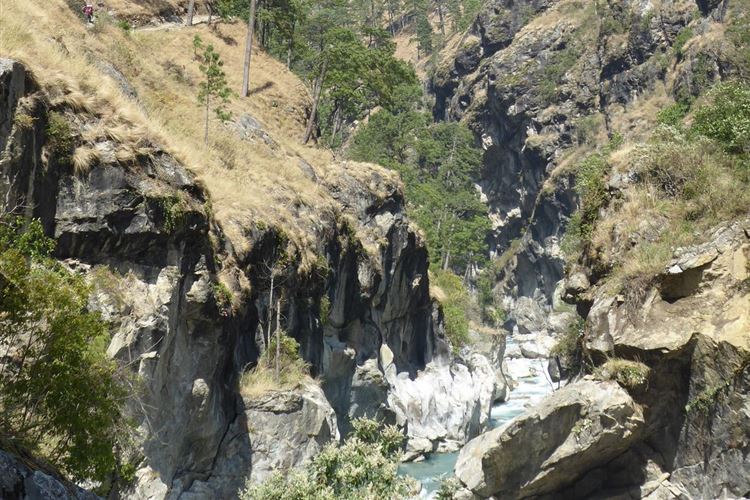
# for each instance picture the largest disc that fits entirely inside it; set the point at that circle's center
(539, 80)
(189, 305)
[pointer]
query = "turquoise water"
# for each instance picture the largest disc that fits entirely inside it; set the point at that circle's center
(532, 387)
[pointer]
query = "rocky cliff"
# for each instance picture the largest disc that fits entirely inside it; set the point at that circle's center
(540, 82)
(656, 405)
(188, 301)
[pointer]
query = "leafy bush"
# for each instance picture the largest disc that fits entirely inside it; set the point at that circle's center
(673, 115)
(680, 40)
(727, 117)
(629, 374)
(365, 467)
(58, 391)
(455, 302)
(60, 139)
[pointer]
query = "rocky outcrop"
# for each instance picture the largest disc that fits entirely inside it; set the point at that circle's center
(288, 428)
(447, 404)
(27, 480)
(579, 426)
(188, 295)
(537, 80)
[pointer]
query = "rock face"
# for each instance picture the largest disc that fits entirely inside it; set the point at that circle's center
(536, 79)
(18, 481)
(581, 425)
(445, 405)
(288, 428)
(139, 226)
(681, 434)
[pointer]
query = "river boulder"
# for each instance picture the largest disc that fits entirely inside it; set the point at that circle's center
(554, 444)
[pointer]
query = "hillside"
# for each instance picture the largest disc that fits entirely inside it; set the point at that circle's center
(523, 256)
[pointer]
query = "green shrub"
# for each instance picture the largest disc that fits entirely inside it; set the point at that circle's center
(364, 467)
(61, 397)
(60, 140)
(455, 303)
(680, 40)
(262, 377)
(727, 117)
(673, 115)
(629, 374)
(222, 295)
(448, 489)
(568, 347)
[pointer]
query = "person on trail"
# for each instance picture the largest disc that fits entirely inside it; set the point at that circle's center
(88, 11)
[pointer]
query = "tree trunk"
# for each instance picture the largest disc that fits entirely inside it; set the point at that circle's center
(317, 89)
(290, 47)
(205, 133)
(278, 340)
(210, 9)
(191, 10)
(440, 16)
(269, 315)
(248, 50)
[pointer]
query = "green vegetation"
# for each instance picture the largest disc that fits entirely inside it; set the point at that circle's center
(60, 140)
(553, 71)
(214, 84)
(263, 378)
(680, 40)
(591, 184)
(364, 467)
(173, 211)
(222, 295)
(59, 393)
(727, 118)
(673, 115)
(629, 374)
(455, 302)
(437, 163)
(568, 349)
(448, 489)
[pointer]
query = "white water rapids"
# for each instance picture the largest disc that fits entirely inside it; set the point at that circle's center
(533, 385)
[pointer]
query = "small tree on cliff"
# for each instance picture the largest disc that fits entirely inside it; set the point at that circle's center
(59, 393)
(214, 84)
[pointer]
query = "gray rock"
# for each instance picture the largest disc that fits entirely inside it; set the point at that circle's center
(288, 428)
(18, 480)
(575, 428)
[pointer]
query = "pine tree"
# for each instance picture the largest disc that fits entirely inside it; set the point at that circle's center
(214, 84)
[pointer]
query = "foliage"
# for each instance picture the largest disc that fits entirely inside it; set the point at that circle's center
(60, 140)
(627, 373)
(222, 295)
(448, 489)
(438, 164)
(325, 310)
(555, 68)
(680, 40)
(261, 378)
(455, 302)
(673, 115)
(568, 349)
(214, 85)
(727, 117)
(364, 467)
(58, 390)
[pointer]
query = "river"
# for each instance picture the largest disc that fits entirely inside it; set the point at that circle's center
(533, 385)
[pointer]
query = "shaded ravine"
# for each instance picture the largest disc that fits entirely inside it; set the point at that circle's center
(533, 386)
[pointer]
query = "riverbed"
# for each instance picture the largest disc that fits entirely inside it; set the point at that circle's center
(533, 385)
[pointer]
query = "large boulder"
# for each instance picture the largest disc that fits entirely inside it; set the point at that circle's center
(445, 405)
(553, 445)
(287, 428)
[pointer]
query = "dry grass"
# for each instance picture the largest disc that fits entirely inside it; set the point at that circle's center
(247, 180)
(261, 379)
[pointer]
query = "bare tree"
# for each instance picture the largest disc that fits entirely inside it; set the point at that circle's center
(248, 50)
(191, 10)
(317, 89)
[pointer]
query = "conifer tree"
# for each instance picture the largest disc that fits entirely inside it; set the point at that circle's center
(214, 84)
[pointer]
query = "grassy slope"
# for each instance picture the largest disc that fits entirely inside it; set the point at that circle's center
(247, 180)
